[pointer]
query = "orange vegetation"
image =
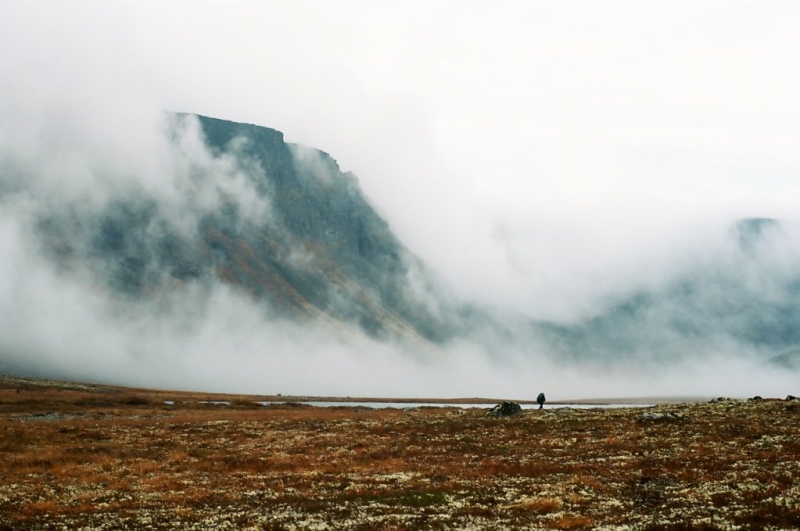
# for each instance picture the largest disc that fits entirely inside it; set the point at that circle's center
(75, 456)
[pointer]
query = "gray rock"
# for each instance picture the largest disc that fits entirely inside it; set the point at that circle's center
(651, 416)
(505, 409)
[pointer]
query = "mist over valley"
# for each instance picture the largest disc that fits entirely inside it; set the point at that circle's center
(259, 265)
(484, 201)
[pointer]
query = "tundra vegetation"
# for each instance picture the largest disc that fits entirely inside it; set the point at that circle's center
(82, 456)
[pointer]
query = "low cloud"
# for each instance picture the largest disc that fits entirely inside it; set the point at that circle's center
(549, 163)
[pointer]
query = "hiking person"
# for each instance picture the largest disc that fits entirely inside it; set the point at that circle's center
(540, 400)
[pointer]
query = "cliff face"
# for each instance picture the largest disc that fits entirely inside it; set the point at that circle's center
(315, 248)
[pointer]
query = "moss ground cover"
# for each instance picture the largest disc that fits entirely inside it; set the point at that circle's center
(75, 456)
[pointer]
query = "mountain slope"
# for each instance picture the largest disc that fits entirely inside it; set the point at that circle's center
(744, 298)
(314, 248)
(239, 206)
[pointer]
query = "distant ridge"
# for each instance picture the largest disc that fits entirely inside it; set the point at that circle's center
(788, 360)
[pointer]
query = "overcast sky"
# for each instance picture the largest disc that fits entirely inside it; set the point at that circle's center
(539, 155)
(543, 157)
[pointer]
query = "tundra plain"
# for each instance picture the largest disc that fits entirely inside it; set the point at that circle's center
(80, 456)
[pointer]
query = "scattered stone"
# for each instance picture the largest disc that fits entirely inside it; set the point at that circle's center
(505, 409)
(720, 399)
(50, 415)
(649, 416)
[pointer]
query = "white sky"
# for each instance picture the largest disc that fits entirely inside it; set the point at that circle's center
(539, 155)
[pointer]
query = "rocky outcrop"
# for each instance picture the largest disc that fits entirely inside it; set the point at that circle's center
(505, 409)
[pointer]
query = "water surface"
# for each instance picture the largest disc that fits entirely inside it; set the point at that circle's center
(413, 405)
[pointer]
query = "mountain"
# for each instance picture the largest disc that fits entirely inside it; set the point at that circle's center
(285, 225)
(743, 298)
(317, 250)
(787, 360)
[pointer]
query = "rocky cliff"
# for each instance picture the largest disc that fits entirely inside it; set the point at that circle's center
(314, 248)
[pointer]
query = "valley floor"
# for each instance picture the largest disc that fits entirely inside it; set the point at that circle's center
(81, 456)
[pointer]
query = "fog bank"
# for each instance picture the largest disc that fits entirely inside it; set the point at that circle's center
(550, 162)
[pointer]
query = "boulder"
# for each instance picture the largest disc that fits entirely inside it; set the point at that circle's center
(505, 409)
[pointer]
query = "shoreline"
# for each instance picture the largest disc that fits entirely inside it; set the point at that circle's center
(35, 382)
